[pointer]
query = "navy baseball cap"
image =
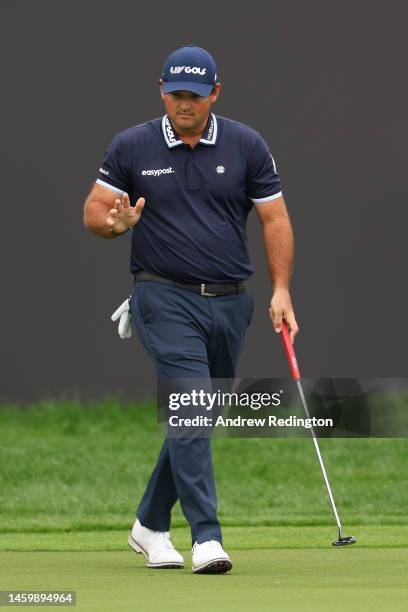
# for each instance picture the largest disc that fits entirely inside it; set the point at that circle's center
(190, 69)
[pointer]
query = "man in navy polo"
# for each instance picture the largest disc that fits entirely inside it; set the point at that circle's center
(193, 178)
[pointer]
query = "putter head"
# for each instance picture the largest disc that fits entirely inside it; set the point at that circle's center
(345, 541)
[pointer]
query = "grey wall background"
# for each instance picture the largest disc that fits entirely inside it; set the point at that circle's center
(326, 85)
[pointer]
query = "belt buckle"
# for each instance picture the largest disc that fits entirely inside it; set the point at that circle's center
(204, 292)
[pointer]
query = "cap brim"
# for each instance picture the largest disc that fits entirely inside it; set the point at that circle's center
(198, 88)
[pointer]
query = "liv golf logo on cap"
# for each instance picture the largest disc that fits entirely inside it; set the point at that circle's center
(189, 69)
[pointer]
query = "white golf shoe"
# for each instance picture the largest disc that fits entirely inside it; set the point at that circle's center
(156, 546)
(210, 558)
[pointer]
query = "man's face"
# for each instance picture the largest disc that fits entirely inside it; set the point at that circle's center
(189, 112)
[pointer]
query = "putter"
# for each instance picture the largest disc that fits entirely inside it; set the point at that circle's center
(294, 368)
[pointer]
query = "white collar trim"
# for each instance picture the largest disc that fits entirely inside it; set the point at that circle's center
(172, 139)
(169, 134)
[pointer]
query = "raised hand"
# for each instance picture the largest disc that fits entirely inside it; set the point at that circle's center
(123, 215)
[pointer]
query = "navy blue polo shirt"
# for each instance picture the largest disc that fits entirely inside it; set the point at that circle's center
(193, 226)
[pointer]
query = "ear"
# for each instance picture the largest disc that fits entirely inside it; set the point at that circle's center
(215, 93)
(161, 89)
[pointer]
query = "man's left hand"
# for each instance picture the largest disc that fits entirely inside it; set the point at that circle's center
(281, 308)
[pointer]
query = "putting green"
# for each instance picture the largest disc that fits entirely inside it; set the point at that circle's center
(286, 569)
(261, 579)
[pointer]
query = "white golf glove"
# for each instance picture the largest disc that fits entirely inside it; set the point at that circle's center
(125, 319)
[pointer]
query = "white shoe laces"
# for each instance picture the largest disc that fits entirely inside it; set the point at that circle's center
(164, 538)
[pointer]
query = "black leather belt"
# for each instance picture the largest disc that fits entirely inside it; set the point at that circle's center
(206, 289)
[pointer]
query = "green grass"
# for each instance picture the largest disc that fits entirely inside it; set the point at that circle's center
(71, 477)
(69, 467)
(235, 538)
(298, 579)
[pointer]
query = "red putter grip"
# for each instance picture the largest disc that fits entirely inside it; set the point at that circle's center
(290, 353)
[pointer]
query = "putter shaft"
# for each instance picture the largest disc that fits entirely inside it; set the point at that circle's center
(319, 456)
(294, 368)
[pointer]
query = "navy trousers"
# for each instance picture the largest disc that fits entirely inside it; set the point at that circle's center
(187, 336)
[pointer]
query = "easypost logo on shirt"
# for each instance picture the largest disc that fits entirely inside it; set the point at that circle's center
(158, 172)
(188, 70)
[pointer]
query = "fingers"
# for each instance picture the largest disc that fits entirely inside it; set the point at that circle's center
(140, 205)
(123, 214)
(280, 303)
(122, 203)
(293, 326)
(281, 309)
(279, 316)
(136, 210)
(121, 207)
(112, 217)
(276, 317)
(125, 201)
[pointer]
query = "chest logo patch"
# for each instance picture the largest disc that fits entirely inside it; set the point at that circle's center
(158, 172)
(220, 169)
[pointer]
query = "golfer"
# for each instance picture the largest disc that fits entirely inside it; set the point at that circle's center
(184, 185)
